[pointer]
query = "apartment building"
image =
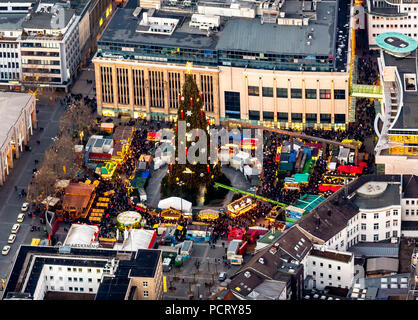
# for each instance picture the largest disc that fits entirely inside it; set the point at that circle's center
(232, 51)
(43, 43)
(391, 16)
(10, 59)
(42, 273)
(380, 209)
(326, 267)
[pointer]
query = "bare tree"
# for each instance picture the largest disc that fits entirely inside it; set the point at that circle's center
(42, 185)
(77, 119)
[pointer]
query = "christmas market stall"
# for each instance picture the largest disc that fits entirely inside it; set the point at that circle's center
(78, 199)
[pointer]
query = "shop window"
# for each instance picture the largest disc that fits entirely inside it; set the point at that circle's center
(253, 91)
(325, 94)
(281, 92)
(310, 93)
(296, 93)
(339, 94)
(254, 115)
(267, 92)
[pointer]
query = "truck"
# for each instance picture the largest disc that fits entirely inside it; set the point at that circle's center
(167, 264)
(186, 248)
(232, 253)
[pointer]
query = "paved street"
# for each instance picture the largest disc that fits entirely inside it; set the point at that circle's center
(20, 176)
(187, 277)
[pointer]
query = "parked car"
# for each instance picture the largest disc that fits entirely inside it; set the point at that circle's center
(5, 250)
(15, 228)
(222, 276)
(25, 207)
(12, 238)
(21, 217)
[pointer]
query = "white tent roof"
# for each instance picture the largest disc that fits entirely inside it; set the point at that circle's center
(81, 234)
(242, 155)
(138, 239)
(175, 203)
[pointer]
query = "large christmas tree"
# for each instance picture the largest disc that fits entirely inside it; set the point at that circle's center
(191, 179)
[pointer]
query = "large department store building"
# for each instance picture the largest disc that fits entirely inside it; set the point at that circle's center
(280, 63)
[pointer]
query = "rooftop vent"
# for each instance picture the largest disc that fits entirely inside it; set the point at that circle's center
(261, 260)
(247, 274)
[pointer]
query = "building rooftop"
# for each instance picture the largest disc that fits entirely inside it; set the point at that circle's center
(382, 264)
(329, 218)
(31, 259)
(11, 21)
(268, 290)
(323, 39)
(12, 106)
(408, 115)
(383, 287)
(375, 249)
(250, 35)
(122, 29)
(343, 257)
(389, 196)
(46, 20)
(409, 186)
(396, 43)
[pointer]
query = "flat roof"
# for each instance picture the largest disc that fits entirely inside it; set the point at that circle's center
(11, 21)
(43, 20)
(122, 29)
(235, 33)
(391, 196)
(250, 35)
(332, 255)
(396, 42)
(11, 107)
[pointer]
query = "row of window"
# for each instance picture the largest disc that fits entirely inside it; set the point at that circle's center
(376, 225)
(71, 279)
(10, 65)
(321, 275)
(8, 45)
(321, 264)
(89, 270)
(9, 75)
(412, 202)
(376, 236)
(296, 117)
(76, 289)
(376, 214)
(412, 212)
(339, 94)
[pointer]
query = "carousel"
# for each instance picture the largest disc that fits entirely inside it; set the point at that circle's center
(241, 206)
(208, 215)
(129, 220)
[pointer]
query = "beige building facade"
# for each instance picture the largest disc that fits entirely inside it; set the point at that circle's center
(145, 90)
(291, 98)
(147, 288)
(18, 121)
